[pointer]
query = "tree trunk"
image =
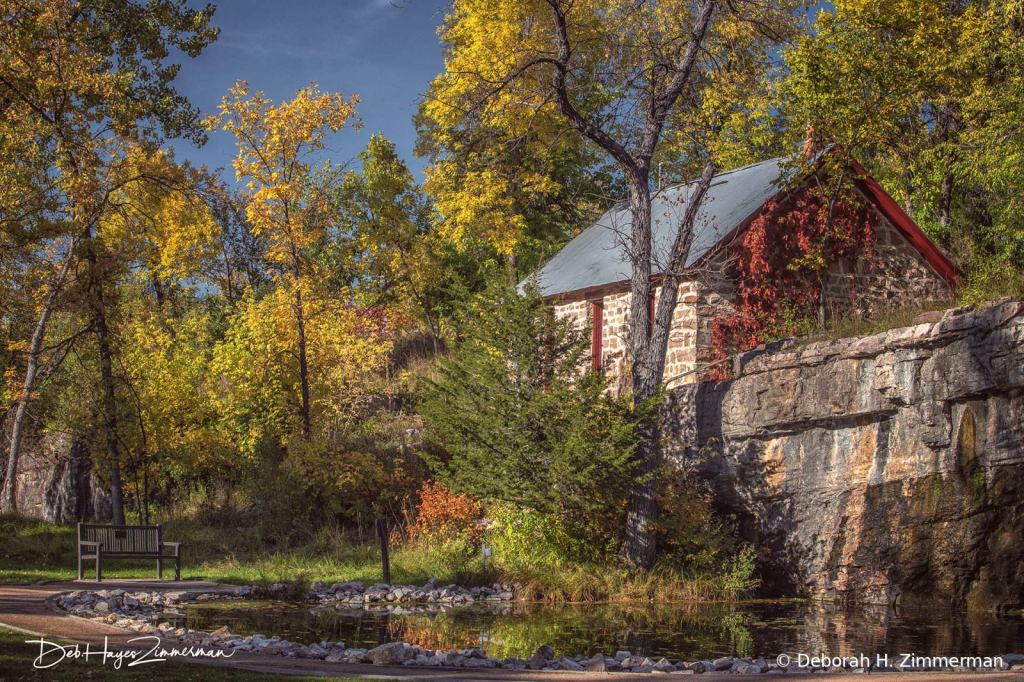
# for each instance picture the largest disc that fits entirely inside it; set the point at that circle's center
(10, 499)
(647, 367)
(639, 547)
(649, 347)
(823, 297)
(108, 397)
(303, 364)
(945, 200)
(158, 289)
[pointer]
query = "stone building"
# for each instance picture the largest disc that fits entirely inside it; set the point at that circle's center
(588, 280)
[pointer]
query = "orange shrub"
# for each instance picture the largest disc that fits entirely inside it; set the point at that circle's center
(446, 517)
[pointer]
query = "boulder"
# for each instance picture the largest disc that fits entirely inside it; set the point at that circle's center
(392, 653)
(537, 662)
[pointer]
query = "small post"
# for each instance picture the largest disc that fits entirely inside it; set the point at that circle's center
(385, 561)
(485, 554)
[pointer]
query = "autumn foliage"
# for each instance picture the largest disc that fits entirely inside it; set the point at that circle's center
(445, 517)
(781, 260)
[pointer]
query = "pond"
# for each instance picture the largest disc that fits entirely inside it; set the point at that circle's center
(676, 631)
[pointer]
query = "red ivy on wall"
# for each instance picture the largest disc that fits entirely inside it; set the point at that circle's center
(782, 256)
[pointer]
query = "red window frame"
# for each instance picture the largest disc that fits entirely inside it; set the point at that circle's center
(650, 316)
(596, 333)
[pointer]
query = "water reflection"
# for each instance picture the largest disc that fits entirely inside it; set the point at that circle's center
(683, 631)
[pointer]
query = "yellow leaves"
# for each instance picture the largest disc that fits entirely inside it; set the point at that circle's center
(277, 147)
(159, 216)
(258, 361)
(167, 362)
(484, 209)
(498, 138)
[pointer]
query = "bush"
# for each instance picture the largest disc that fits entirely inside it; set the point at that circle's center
(446, 518)
(447, 530)
(741, 577)
(514, 417)
(990, 279)
(524, 540)
(691, 534)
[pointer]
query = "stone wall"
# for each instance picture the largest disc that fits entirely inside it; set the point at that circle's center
(875, 469)
(897, 274)
(689, 342)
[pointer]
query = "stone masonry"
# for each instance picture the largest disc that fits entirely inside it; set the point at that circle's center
(887, 468)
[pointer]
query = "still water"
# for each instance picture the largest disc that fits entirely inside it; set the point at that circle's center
(677, 631)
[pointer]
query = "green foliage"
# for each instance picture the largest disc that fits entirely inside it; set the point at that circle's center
(527, 541)
(691, 534)
(741, 576)
(928, 96)
(516, 419)
(990, 279)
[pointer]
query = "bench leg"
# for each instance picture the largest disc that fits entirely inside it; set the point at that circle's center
(79, 562)
(99, 565)
(159, 569)
(177, 563)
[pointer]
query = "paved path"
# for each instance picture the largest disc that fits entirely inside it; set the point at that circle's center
(23, 608)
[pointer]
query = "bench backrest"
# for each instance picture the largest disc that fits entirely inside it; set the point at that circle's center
(122, 539)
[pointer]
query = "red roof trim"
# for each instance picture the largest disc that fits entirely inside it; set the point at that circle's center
(906, 225)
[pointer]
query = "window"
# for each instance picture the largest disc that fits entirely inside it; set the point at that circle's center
(596, 333)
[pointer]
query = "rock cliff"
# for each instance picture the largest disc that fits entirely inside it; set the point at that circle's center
(877, 469)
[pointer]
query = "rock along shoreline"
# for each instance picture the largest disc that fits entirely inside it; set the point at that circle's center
(140, 611)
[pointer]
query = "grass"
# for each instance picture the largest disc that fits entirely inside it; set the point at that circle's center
(844, 327)
(34, 550)
(16, 659)
(882, 321)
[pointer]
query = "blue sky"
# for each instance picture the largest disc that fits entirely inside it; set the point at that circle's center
(386, 53)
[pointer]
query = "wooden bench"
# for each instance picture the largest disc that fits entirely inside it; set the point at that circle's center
(125, 542)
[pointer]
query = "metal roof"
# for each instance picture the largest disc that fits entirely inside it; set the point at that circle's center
(597, 256)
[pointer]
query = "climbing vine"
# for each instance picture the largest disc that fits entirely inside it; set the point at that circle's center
(782, 257)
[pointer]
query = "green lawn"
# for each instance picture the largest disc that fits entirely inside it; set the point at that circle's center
(16, 659)
(34, 550)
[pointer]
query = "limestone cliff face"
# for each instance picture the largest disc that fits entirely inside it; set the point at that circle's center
(879, 468)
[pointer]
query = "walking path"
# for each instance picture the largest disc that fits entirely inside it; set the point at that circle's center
(24, 608)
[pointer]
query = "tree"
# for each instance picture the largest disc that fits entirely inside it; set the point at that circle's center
(80, 82)
(288, 200)
(386, 220)
(927, 95)
(513, 192)
(517, 420)
(21, 401)
(619, 74)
